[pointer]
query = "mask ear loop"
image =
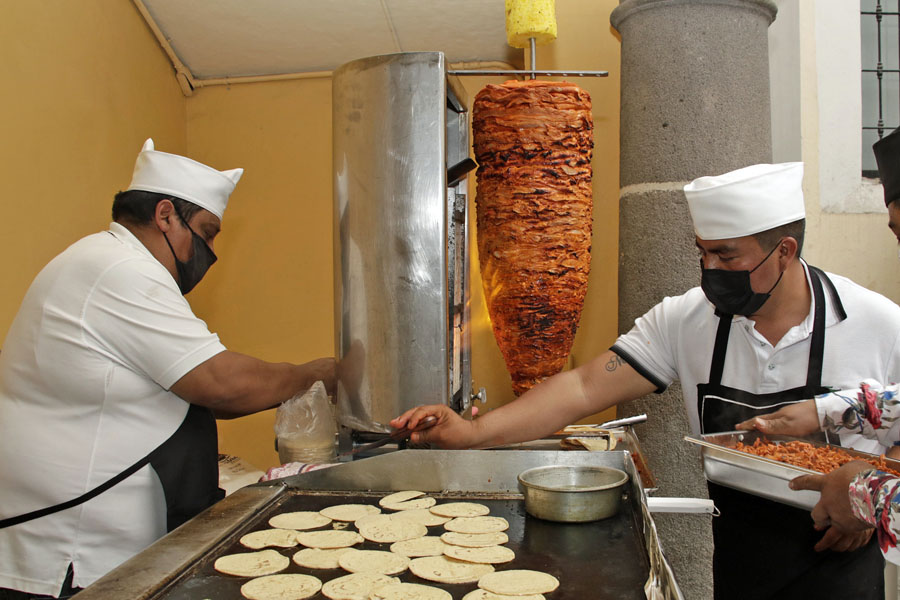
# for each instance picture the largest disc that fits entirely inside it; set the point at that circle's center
(189, 228)
(178, 262)
(767, 255)
(780, 275)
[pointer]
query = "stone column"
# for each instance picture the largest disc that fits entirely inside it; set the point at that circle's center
(695, 101)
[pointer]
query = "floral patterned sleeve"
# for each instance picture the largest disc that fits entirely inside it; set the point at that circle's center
(875, 499)
(872, 410)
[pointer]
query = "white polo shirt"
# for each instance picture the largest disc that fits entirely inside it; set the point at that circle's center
(101, 336)
(675, 340)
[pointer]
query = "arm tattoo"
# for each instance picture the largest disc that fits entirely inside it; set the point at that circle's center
(615, 361)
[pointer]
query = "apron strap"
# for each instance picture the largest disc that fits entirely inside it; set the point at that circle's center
(817, 344)
(186, 465)
(43, 512)
(718, 358)
(836, 303)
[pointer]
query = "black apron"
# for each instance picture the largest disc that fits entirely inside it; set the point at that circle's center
(187, 465)
(764, 549)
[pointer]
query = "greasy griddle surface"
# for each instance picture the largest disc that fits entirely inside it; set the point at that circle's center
(599, 560)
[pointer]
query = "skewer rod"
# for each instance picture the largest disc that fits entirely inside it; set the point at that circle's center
(533, 60)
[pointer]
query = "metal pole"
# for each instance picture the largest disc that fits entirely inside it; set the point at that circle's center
(533, 57)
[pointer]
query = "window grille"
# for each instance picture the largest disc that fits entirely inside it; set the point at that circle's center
(880, 53)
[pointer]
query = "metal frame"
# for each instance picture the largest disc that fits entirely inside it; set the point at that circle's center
(532, 73)
(879, 13)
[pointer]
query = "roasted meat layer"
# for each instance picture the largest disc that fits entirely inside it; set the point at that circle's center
(533, 142)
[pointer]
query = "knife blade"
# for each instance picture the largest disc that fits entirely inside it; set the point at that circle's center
(398, 435)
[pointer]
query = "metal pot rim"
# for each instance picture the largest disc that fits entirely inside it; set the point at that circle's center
(597, 488)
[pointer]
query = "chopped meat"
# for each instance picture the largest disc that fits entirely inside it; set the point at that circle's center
(533, 142)
(823, 459)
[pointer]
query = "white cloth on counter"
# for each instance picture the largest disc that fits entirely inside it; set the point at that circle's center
(293, 468)
(675, 340)
(235, 473)
(102, 334)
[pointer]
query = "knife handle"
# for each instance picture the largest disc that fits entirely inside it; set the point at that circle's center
(405, 432)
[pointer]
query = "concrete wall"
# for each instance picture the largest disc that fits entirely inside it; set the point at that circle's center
(695, 101)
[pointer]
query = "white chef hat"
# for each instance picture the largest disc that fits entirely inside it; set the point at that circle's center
(183, 178)
(747, 201)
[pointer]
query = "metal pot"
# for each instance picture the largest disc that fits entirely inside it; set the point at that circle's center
(572, 494)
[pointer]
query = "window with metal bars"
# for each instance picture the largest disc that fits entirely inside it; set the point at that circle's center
(880, 57)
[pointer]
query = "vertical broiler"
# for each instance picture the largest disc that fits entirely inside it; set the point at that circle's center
(400, 149)
(400, 155)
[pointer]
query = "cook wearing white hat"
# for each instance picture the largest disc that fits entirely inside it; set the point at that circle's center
(736, 357)
(107, 354)
(870, 409)
(749, 225)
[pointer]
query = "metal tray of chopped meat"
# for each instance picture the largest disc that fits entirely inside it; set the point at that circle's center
(756, 475)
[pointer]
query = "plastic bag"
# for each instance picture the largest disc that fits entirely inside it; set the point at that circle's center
(305, 427)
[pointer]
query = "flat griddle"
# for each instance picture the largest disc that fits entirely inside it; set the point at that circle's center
(576, 554)
(611, 558)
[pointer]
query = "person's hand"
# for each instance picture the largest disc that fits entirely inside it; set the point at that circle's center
(448, 431)
(797, 419)
(322, 369)
(845, 532)
(840, 541)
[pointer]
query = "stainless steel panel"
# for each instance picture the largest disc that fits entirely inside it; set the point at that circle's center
(395, 128)
(487, 471)
(457, 123)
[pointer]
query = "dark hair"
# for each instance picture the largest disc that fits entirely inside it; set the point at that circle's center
(767, 239)
(137, 207)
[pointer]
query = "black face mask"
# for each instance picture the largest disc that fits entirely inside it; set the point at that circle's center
(191, 272)
(730, 291)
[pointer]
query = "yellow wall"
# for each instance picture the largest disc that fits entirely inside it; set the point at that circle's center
(270, 295)
(83, 84)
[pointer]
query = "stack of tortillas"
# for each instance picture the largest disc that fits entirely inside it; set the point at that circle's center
(593, 443)
(464, 553)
